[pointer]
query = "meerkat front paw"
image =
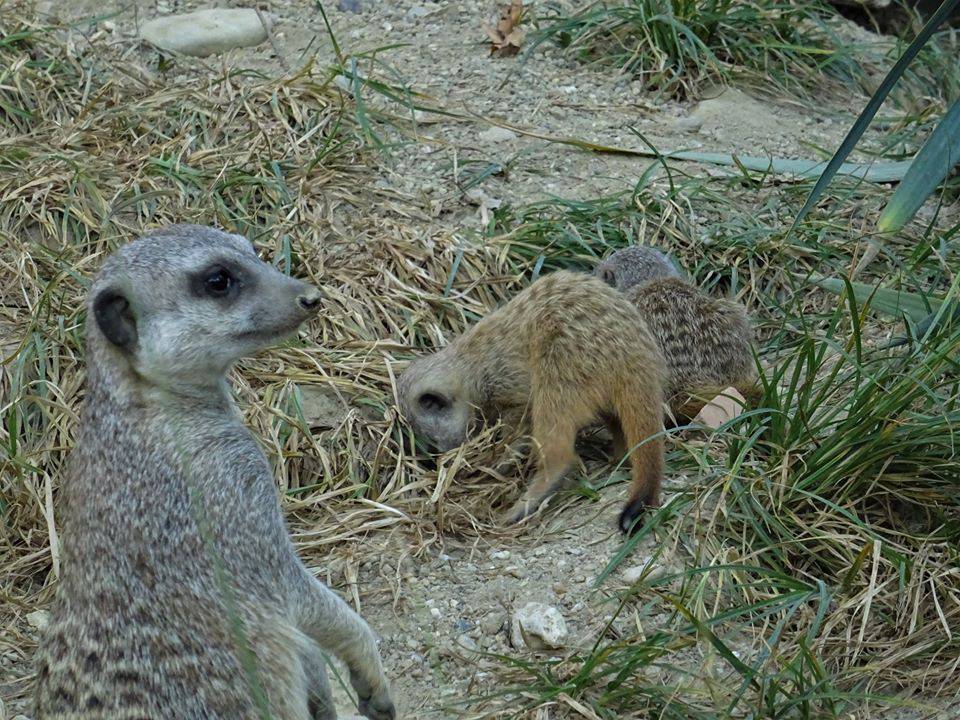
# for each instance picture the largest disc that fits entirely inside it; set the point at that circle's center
(378, 707)
(519, 511)
(374, 704)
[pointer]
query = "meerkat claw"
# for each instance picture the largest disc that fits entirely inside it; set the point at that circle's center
(378, 708)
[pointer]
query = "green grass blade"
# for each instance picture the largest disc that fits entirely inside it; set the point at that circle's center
(935, 159)
(886, 300)
(860, 126)
(872, 172)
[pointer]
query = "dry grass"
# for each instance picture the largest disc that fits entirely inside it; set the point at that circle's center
(814, 581)
(96, 147)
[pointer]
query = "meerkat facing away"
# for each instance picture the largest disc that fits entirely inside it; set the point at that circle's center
(181, 595)
(635, 265)
(564, 352)
(707, 343)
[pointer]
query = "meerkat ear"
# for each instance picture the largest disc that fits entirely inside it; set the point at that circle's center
(115, 319)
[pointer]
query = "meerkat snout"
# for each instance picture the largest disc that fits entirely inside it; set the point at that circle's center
(310, 300)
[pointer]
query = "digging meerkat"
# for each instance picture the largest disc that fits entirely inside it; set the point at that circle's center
(564, 352)
(707, 343)
(181, 594)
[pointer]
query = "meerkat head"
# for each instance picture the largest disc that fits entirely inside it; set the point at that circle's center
(433, 399)
(636, 265)
(178, 307)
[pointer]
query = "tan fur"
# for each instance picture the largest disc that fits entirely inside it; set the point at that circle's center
(706, 342)
(563, 353)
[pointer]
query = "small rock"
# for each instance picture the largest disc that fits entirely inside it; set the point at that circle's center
(491, 623)
(690, 124)
(39, 619)
(500, 555)
(462, 626)
(353, 6)
(426, 117)
(416, 12)
(467, 643)
(321, 406)
(632, 574)
(496, 134)
(435, 613)
(206, 32)
(538, 627)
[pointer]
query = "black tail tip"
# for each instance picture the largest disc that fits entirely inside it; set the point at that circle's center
(631, 514)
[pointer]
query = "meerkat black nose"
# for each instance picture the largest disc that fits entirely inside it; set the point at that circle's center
(310, 300)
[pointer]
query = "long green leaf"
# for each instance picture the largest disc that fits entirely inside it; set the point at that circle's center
(938, 155)
(873, 172)
(886, 300)
(860, 126)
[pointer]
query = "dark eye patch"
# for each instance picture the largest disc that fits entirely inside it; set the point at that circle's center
(431, 402)
(219, 282)
(223, 279)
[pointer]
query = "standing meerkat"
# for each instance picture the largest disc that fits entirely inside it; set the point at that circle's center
(707, 343)
(181, 595)
(564, 352)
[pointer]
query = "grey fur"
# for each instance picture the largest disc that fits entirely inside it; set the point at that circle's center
(176, 554)
(636, 265)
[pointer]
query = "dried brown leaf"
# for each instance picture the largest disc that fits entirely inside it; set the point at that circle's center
(506, 38)
(722, 409)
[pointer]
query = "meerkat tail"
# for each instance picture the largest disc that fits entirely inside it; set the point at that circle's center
(641, 427)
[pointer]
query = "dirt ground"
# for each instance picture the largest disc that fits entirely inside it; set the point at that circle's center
(440, 617)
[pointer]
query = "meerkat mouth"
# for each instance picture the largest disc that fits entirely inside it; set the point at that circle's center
(268, 334)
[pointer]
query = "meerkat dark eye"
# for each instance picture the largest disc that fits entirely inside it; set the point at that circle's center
(609, 277)
(218, 282)
(431, 402)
